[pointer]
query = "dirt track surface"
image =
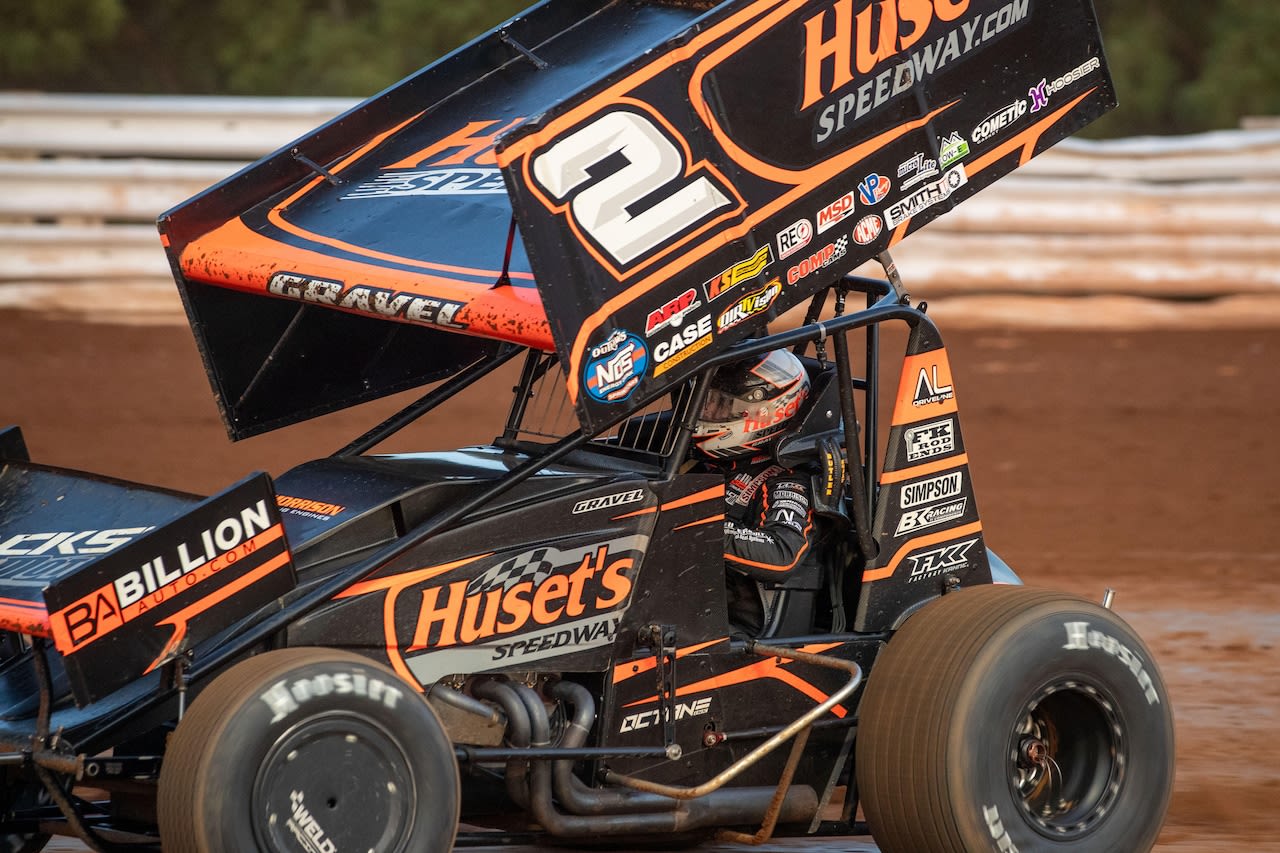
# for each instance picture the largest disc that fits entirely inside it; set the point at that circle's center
(1146, 462)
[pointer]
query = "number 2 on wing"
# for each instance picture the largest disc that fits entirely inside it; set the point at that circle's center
(647, 168)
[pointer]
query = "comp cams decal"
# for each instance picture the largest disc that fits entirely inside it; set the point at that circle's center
(856, 64)
(819, 260)
(615, 366)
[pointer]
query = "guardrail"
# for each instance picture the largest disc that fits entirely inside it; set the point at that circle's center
(82, 178)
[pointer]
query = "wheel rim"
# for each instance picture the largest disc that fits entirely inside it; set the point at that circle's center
(338, 780)
(1067, 758)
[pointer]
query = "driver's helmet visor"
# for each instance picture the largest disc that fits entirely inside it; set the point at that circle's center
(722, 407)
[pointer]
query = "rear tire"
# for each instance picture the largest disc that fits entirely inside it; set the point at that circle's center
(1005, 718)
(312, 743)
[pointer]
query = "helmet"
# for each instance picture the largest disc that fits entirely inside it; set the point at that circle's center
(751, 403)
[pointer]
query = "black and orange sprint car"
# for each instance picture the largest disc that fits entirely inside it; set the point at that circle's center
(612, 198)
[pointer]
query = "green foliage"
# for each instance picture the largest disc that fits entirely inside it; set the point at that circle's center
(1179, 65)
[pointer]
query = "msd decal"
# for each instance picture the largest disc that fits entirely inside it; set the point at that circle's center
(836, 212)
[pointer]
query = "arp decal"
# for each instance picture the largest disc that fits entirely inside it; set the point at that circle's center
(679, 345)
(794, 237)
(636, 208)
(821, 259)
(751, 305)
(672, 313)
(740, 273)
(615, 367)
(925, 197)
(843, 50)
(367, 299)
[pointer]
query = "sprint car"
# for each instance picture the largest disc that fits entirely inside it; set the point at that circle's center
(595, 205)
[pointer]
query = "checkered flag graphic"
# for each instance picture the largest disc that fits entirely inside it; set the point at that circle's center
(531, 565)
(842, 245)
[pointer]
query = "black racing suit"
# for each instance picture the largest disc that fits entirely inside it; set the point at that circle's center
(768, 527)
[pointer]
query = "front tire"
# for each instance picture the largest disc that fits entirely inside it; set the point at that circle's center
(1005, 718)
(309, 748)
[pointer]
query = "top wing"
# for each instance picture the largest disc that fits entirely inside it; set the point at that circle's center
(767, 150)
(680, 171)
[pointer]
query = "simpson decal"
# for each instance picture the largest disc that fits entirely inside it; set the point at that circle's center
(933, 489)
(615, 367)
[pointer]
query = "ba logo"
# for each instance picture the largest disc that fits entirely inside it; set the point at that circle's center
(615, 367)
(873, 189)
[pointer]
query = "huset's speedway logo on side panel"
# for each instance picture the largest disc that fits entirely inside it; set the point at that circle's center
(615, 366)
(861, 56)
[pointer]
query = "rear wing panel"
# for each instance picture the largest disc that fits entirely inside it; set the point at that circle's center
(674, 208)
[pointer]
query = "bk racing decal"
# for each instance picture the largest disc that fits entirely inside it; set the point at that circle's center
(168, 590)
(506, 610)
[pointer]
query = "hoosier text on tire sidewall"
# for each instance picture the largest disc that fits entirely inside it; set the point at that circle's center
(309, 750)
(1048, 729)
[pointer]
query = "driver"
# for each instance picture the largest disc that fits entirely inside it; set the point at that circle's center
(768, 529)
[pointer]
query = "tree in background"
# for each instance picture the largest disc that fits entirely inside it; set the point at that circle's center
(1179, 65)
